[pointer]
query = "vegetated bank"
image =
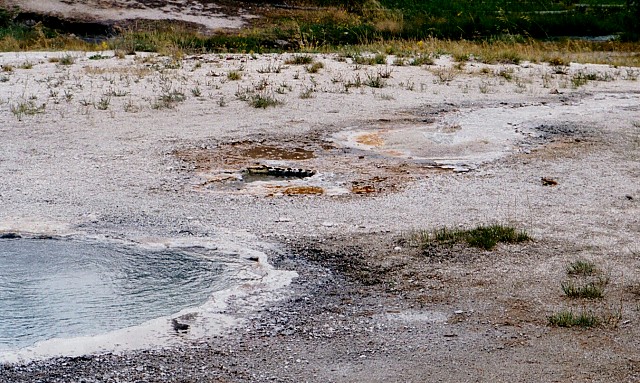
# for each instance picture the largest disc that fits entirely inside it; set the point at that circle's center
(533, 30)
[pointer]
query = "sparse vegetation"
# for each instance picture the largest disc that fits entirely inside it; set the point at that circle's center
(307, 92)
(103, 103)
(300, 60)
(591, 290)
(168, 99)
(375, 81)
(506, 73)
(234, 75)
(587, 283)
(445, 75)
(26, 108)
(315, 67)
(263, 100)
(581, 267)
(385, 73)
(484, 87)
(67, 60)
(484, 237)
(376, 59)
(422, 59)
(271, 67)
(558, 61)
(569, 319)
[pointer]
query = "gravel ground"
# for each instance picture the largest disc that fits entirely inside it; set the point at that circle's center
(367, 304)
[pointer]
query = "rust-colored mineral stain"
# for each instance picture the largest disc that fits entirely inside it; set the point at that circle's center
(370, 139)
(363, 189)
(303, 190)
(393, 153)
(276, 153)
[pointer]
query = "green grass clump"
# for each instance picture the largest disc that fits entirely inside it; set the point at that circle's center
(169, 99)
(234, 75)
(422, 60)
(569, 319)
(484, 237)
(300, 60)
(263, 100)
(315, 67)
(67, 60)
(375, 81)
(28, 108)
(591, 290)
(377, 59)
(581, 267)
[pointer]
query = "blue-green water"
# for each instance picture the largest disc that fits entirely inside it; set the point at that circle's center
(61, 289)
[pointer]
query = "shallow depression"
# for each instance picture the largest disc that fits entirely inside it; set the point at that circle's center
(63, 289)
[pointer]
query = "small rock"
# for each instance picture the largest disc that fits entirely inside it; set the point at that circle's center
(546, 181)
(450, 335)
(179, 327)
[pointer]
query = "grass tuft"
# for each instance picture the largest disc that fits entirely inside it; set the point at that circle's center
(423, 59)
(28, 108)
(315, 67)
(375, 81)
(263, 100)
(168, 99)
(300, 60)
(569, 319)
(67, 60)
(484, 237)
(581, 267)
(234, 75)
(591, 290)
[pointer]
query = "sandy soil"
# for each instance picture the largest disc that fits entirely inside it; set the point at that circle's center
(148, 147)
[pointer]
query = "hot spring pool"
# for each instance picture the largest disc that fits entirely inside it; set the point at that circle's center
(64, 289)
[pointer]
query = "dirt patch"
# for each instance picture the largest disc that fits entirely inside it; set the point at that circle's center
(370, 139)
(265, 152)
(242, 163)
(303, 190)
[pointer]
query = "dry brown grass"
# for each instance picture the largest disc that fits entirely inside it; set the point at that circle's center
(128, 70)
(610, 53)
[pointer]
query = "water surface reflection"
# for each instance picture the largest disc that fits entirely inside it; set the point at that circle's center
(59, 288)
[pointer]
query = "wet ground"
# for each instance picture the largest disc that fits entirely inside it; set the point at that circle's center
(100, 18)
